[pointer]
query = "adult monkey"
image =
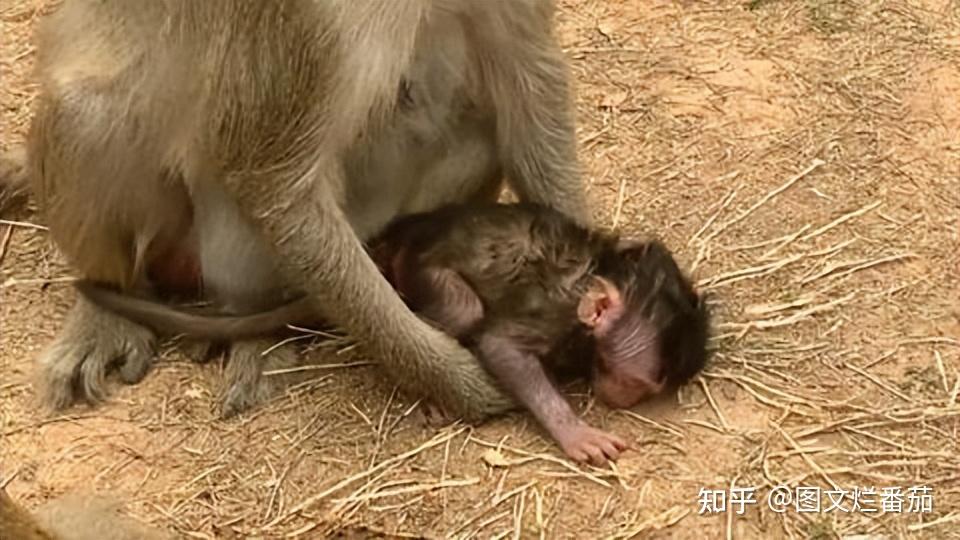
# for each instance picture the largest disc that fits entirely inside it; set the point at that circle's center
(269, 138)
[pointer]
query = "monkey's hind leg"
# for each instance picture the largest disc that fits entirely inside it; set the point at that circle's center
(91, 342)
(252, 377)
(99, 177)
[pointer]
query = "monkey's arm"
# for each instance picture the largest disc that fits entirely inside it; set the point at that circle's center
(523, 375)
(535, 119)
(321, 255)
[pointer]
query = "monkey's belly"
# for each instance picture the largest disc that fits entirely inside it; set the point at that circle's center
(176, 271)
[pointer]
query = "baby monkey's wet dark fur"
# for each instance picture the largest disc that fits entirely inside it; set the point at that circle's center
(531, 265)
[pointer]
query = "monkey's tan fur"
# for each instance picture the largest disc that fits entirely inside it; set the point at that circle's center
(72, 517)
(267, 137)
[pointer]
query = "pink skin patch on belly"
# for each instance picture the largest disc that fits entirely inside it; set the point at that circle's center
(176, 271)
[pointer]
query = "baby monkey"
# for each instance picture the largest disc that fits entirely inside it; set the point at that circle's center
(533, 295)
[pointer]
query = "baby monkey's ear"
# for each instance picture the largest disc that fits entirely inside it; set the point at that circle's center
(600, 306)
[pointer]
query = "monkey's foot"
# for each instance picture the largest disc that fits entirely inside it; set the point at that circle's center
(433, 415)
(92, 343)
(199, 352)
(253, 378)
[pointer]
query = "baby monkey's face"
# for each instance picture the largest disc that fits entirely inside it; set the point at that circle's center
(627, 366)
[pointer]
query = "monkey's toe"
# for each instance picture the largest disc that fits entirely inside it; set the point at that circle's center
(238, 400)
(252, 378)
(136, 363)
(244, 395)
(434, 415)
(56, 380)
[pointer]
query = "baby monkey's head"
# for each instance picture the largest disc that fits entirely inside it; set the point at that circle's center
(650, 325)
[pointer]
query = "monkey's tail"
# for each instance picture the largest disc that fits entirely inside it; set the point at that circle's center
(14, 188)
(167, 319)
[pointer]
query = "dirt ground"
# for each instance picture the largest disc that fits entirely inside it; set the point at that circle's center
(801, 157)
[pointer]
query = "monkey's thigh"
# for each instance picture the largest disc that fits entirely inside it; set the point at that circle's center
(258, 370)
(101, 186)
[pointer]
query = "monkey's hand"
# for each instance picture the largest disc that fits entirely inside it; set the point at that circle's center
(584, 443)
(452, 378)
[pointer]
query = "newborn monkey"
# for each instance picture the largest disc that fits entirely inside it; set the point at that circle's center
(522, 286)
